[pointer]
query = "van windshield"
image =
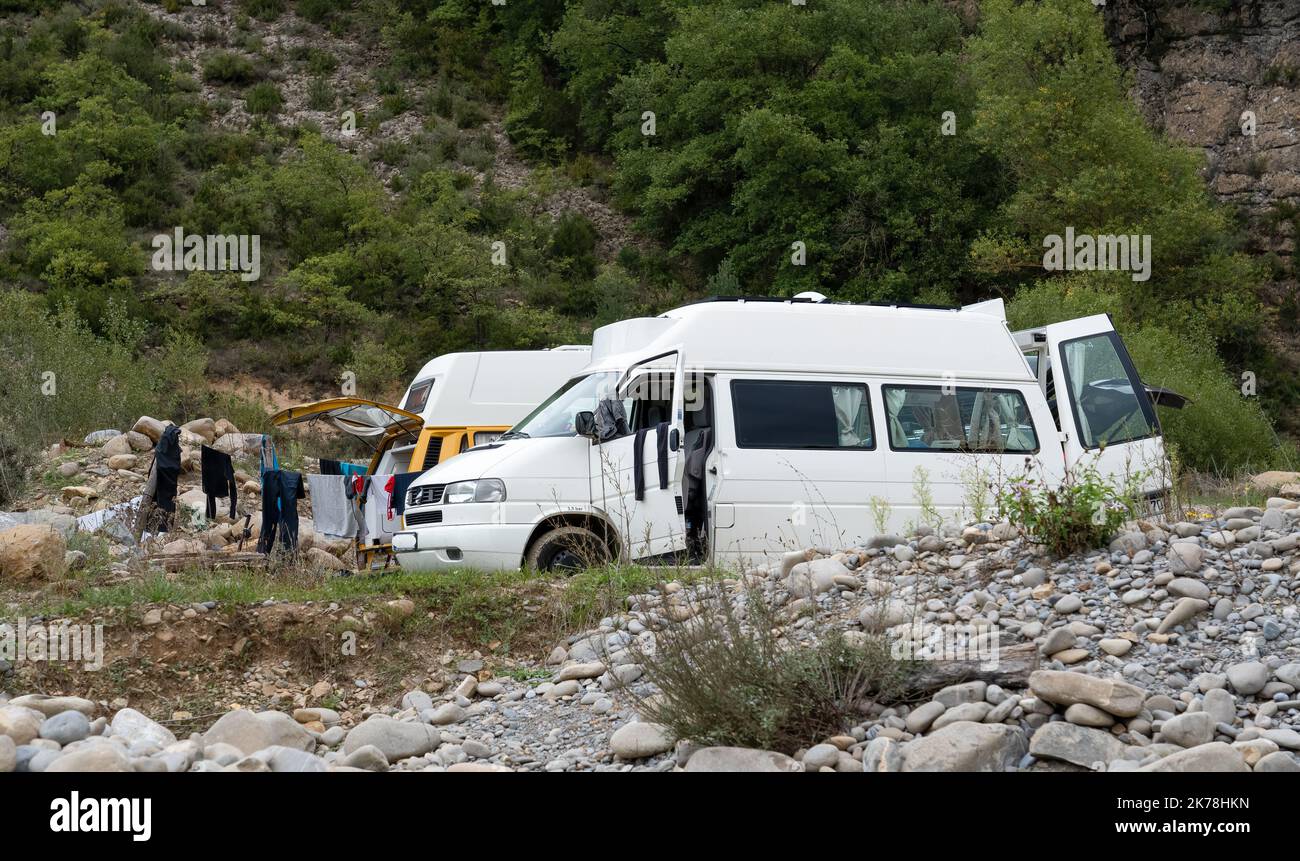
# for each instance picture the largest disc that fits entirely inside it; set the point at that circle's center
(555, 416)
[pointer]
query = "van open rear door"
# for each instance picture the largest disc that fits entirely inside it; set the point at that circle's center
(378, 425)
(1105, 413)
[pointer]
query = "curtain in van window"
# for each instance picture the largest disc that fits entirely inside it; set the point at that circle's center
(1076, 359)
(850, 417)
(1110, 402)
(894, 400)
(986, 423)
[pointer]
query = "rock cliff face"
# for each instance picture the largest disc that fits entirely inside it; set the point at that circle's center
(1202, 69)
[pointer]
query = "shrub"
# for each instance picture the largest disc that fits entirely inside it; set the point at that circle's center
(227, 67)
(726, 677)
(1079, 513)
(264, 98)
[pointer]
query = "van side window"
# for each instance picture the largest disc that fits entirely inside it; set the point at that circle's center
(800, 414)
(418, 396)
(968, 419)
(1110, 403)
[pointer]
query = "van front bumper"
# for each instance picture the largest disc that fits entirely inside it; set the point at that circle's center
(487, 546)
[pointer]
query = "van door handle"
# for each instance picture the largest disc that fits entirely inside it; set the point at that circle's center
(713, 470)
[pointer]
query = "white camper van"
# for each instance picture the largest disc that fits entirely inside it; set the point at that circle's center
(730, 430)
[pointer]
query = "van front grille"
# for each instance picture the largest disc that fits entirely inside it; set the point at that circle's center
(421, 517)
(427, 494)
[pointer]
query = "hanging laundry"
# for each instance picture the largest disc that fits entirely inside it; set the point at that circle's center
(281, 490)
(267, 454)
(218, 472)
(380, 522)
(359, 489)
(401, 483)
(329, 467)
(352, 469)
(161, 487)
(638, 459)
(332, 509)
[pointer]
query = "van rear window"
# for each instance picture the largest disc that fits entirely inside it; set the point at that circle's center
(958, 418)
(797, 414)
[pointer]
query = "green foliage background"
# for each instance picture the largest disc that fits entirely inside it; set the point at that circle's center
(774, 124)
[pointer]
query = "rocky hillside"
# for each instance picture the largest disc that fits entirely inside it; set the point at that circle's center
(1225, 78)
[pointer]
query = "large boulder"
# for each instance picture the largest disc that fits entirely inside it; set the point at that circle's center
(238, 443)
(1065, 689)
(150, 427)
(32, 553)
(120, 444)
(206, 429)
(966, 746)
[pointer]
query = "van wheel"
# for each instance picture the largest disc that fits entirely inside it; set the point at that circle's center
(569, 548)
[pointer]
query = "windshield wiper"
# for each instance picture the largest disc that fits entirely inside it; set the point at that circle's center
(512, 435)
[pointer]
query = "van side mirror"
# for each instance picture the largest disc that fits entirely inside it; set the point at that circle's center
(585, 424)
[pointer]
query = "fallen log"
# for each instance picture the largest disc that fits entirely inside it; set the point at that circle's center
(1011, 669)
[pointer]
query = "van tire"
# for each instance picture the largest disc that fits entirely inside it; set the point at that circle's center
(568, 548)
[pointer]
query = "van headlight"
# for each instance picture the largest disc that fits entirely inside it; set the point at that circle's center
(481, 490)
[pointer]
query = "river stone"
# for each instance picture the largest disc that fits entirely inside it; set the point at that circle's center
(740, 759)
(136, 728)
(640, 739)
(1183, 611)
(819, 756)
(1220, 705)
(921, 717)
(66, 727)
(50, 706)
(1078, 745)
(1067, 605)
(395, 739)
(1064, 688)
(20, 723)
(1058, 640)
(1185, 557)
(965, 746)
(1249, 678)
(251, 732)
(1083, 714)
(1279, 761)
(1215, 756)
(882, 755)
(367, 758)
(106, 756)
(1188, 587)
(8, 755)
(1189, 729)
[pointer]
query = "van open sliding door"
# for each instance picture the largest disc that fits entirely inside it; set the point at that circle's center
(647, 514)
(1106, 416)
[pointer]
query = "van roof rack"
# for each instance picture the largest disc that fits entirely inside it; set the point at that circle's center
(809, 301)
